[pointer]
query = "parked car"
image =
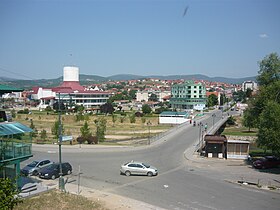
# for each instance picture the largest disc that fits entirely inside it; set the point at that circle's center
(52, 171)
(35, 166)
(138, 168)
(267, 162)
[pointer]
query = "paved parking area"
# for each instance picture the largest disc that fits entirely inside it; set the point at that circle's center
(238, 171)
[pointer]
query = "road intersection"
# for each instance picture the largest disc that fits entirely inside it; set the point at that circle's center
(184, 181)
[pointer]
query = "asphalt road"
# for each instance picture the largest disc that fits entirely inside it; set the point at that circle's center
(178, 185)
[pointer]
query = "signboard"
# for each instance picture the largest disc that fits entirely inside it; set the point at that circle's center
(67, 138)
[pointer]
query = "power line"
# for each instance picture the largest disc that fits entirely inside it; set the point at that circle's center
(17, 74)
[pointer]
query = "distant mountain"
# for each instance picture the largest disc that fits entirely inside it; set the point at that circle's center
(91, 79)
(184, 77)
(3, 79)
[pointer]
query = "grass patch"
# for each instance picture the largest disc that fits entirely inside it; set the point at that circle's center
(71, 127)
(237, 132)
(58, 200)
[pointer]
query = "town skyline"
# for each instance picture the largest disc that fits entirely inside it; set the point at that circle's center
(213, 38)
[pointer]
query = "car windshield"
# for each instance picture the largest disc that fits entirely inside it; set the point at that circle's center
(146, 165)
(33, 164)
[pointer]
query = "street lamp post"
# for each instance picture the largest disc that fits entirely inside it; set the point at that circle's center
(149, 137)
(200, 138)
(60, 180)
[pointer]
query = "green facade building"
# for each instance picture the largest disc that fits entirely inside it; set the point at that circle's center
(188, 95)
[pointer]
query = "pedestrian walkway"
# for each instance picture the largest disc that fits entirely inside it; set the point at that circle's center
(108, 200)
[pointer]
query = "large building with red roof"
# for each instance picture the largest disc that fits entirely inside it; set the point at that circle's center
(70, 89)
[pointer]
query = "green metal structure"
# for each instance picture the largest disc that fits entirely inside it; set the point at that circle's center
(15, 147)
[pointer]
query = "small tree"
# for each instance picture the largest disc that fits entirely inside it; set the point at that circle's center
(122, 118)
(132, 118)
(107, 108)
(35, 131)
(8, 194)
(231, 121)
(85, 130)
(146, 109)
(55, 129)
(114, 119)
(153, 97)
(48, 109)
(43, 134)
(100, 128)
(13, 112)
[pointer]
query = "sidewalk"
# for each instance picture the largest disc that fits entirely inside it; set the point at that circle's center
(236, 171)
(108, 200)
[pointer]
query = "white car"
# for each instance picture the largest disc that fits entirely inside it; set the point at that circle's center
(138, 168)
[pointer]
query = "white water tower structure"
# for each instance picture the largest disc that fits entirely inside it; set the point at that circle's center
(70, 74)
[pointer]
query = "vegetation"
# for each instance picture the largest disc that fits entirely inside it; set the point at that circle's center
(55, 129)
(212, 100)
(100, 128)
(8, 194)
(265, 106)
(58, 200)
(146, 109)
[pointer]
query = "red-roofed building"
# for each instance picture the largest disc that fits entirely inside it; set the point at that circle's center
(70, 89)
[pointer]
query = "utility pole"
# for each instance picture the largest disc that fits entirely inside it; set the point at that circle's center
(60, 180)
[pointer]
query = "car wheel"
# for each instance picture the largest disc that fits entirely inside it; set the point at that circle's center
(68, 172)
(150, 174)
(53, 177)
(35, 173)
(127, 173)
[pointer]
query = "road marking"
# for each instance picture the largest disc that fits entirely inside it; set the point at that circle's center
(51, 152)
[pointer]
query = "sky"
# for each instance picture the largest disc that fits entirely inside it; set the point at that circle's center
(224, 38)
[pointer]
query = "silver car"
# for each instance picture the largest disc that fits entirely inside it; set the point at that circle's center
(138, 168)
(34, 167)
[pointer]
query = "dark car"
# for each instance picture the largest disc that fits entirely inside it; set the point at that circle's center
(267, 162)
(35, 166)
(52, 171)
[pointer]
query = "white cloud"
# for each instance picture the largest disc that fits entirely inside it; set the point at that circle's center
(263, 36)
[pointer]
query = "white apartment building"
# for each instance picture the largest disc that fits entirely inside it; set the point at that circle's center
(145, 95)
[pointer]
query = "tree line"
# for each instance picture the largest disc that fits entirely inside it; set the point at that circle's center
(263, 110)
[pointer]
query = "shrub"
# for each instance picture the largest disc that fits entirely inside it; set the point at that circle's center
(139, 114)
(81, 140)
(48, 109)
(92, 140)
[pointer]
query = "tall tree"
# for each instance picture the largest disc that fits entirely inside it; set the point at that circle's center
(269, 70)
(212, 100)
(249, 119)
(269, 132)
(265, 107)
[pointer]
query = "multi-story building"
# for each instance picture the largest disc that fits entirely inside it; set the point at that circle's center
(188, 95)
(249, 85)
(145, 95)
